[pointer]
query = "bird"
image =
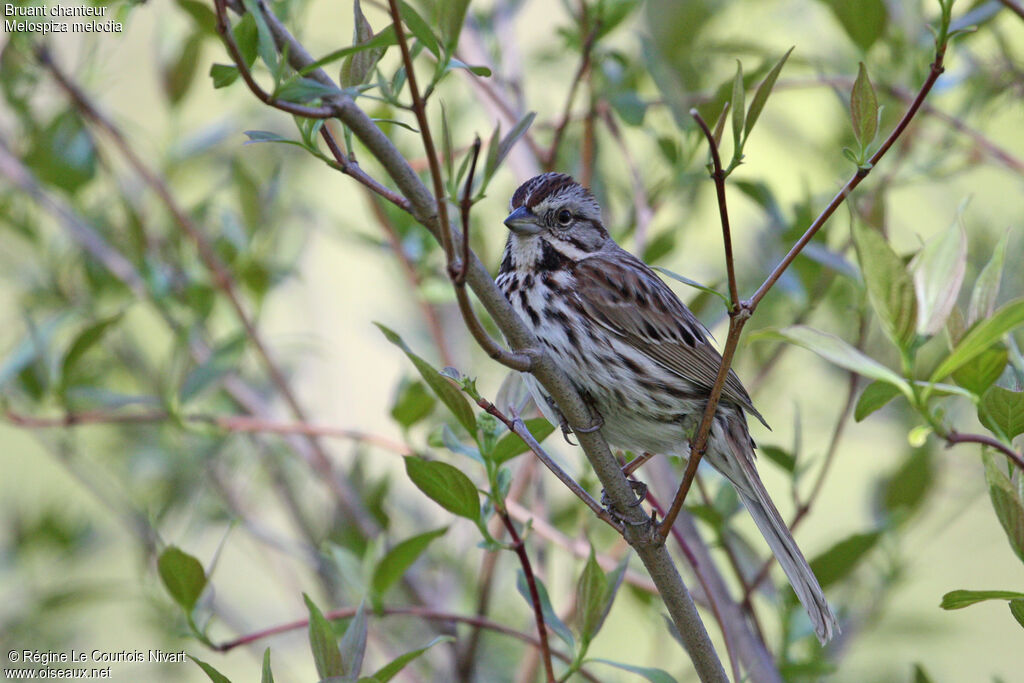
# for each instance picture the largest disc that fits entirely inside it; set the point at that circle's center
(635, 353)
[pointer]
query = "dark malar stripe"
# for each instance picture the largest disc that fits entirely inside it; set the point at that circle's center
(552, 259)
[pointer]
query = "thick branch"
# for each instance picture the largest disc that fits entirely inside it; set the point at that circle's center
(954, 437)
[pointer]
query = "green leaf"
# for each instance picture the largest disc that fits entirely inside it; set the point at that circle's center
(299, 89)
(551, 618)
(413, 402)
(445, 390)
(223, 75)
(630, 107)
(763, 91)
(88, 337)
(1002, 411)
(739, 108)
(63, 153)
(183, 576)
(890, 289)
(510, 445)
(779, 456)
(692, 283)
(177, 77)
(920, 676)
(874, 396)
(247, 38)
(650, 673)
(903, 491)
(201, 14)
(397, 560)
(863, 20)
(358, 66)
(507, 142)
(323, 642)
(353, 644)
(964, 598)
(837, 351)
(843, 557)
(388, 671)
(224, 359)
(1017, 610)
(1007, 502)
(938, 271)
(591, 596)
(981, 337)
(981, 372)
(453, 16)
(419, 28)
(864, 109)
(986, 287)
(265, 46)
(268, 675)
(445, 485)
(384, 39)
(212, 674)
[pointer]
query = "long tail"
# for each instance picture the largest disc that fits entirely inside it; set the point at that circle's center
(740, 470)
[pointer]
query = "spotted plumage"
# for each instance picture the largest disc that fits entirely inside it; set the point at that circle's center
(634, 350)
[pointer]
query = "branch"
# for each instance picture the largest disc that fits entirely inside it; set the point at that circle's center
(222, 279)
(933, 75)
(556, 141)
(229, 423)
(738, 317)
(637, 531)
(954, 437)
(1013, 7)
(520, 550)
(419, 612)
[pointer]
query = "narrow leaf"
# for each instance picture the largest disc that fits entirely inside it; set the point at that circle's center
(382, 40)
(268, 675)
(763, 91)
(513, 136)
(738, 111)
(864, 20)
(1017, 610)
(445, 485)
(510, 445)
(837, 351)
(938, 271)
(182, 575)
(388, 671)
(647, 672)
(353, 644)
(445, 390)
(88, 337)
(843, 557)
(864, 108)
(419, 28)
(323, 643)
(980, 337)
(211, 673)
(1007, 502)
(978, 374)
(590, 598)
(358, 66)
(551, 619)
(963, 598)
(986, 287)
(890, 288)
(223, 75)
(874, 396)
(397, 560)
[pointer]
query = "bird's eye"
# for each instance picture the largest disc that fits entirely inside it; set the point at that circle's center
(564, 217)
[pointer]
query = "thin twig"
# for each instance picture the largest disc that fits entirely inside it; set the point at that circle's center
(418, 612)
(933, 75)
(954, 437)
(556, 140)
(531, 582)
(229, 423)
(738, 317)
(222, 279)
(352, 169)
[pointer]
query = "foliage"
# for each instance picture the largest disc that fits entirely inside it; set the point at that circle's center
(145, 349)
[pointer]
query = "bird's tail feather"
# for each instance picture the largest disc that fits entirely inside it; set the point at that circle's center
(740, 470)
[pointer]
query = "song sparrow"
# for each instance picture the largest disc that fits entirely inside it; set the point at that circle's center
(635, 352)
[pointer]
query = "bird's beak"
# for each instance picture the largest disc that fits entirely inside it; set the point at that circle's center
(523, 222)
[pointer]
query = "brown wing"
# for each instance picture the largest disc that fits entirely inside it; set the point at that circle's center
(619, 292)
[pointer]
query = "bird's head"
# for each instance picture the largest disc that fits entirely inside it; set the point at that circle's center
(553, 211)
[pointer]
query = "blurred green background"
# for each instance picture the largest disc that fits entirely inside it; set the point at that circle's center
(82, 510)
